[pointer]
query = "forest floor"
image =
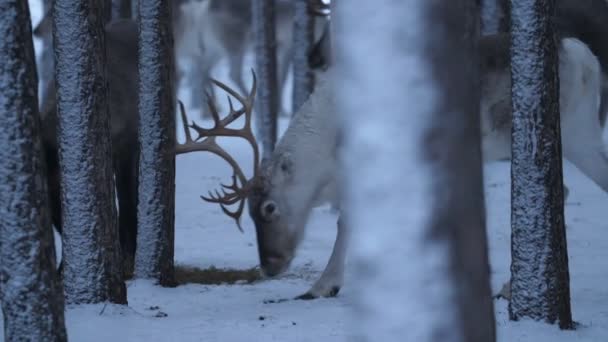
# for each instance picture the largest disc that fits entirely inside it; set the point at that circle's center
(207, 239)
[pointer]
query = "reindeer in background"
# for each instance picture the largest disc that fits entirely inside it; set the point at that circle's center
(208, 31)
(303, 172)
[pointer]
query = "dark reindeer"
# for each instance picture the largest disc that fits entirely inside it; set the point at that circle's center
(122, 75)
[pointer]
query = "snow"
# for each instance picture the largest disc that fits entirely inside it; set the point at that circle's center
(205, 237)
(226, 313)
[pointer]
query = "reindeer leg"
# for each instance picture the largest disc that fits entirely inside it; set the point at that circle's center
(330, 282)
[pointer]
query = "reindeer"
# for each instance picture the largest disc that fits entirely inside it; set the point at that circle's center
(122, 59)
(209, 30)
(303, 171)
(213, 29)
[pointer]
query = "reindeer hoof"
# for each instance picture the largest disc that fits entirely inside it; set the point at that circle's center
(333, 291)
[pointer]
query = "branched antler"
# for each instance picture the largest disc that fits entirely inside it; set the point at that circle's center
(235, 193)
(319, 8)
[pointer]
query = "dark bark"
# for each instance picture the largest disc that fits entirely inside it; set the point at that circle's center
(91, 252)
(30, 290)
(156, 208)
(121, 9)
(267, 101)
(453, 151)
(495, 16)
(539, 258)
(303, 40)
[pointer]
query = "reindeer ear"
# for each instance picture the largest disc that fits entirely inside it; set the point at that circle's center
(45, 25)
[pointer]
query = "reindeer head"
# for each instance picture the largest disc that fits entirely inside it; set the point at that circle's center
(280, 195)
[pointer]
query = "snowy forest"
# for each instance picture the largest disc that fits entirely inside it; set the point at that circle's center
(303, 170)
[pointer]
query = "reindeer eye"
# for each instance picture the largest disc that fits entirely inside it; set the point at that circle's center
(284, 167)
(269, 209)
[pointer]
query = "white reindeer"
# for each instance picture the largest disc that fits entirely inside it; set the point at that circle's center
(210, 30)
(303, 171)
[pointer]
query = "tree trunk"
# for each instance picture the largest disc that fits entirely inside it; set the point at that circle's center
(30, 291)
(267, 101)
(494, 16)
(135, 9)
(539, 258)
(46, 62)
(431, 260)
(303, 40)
(92, 269)
(156, 209)
(121, 9)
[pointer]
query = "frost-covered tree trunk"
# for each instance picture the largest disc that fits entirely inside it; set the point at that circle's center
(303, 40)
(92, 269)
(30, 289)
(494, 16)
(156, 208)
(413, 193)
(267, 101)
(121, 8)
(539, 259)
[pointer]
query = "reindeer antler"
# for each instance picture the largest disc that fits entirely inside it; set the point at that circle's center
(205, 141)
(319, 8)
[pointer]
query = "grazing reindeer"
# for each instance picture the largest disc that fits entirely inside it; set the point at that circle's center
(303, 170)
(122, 55)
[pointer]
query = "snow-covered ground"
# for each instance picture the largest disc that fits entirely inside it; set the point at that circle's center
(206, 237)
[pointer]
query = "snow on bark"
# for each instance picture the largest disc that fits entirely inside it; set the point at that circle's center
(303, 40)
(92, 269)
(30, 290)
(539, 264)
(410, 117)
(156, 208)
(494, 16)
(267, 101)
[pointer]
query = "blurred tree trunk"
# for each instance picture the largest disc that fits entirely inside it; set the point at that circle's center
(46, 62)
(429, 261)
(92, 267)
(135, 9)
(539, 258)
(121, 9)
(267, 101)
(30, 290)
(156, 208)
(303, 41)
(495, 16)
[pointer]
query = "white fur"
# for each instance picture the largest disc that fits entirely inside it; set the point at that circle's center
(312, 138)
(580, 86)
